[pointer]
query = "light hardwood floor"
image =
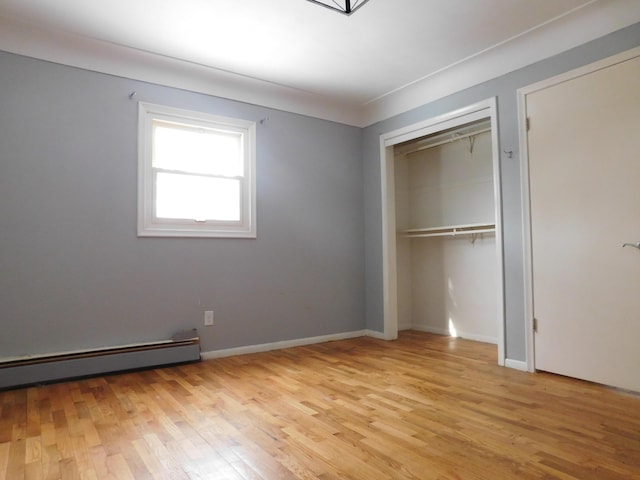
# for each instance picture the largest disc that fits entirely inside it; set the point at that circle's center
(422, 407)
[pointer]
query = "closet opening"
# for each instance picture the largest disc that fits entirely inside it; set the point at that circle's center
(442, 248)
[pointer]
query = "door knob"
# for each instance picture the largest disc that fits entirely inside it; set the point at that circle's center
(636, 245)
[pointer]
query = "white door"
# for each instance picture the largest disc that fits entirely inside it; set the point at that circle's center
(584, 182)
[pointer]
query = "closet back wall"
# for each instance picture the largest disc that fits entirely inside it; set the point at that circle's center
(447, 284)
(73, 273)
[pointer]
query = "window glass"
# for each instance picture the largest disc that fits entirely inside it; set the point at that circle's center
(197, 198)
(198, 150)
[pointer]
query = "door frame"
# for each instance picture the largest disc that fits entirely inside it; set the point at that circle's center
(525, 187)
(486, 109)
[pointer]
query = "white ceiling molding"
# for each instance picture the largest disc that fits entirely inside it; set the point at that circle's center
(98, 56)
(579, 26)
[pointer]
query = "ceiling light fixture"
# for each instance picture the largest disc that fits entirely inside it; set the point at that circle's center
(343, 6)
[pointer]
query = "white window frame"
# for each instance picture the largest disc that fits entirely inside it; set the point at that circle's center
(151, 226)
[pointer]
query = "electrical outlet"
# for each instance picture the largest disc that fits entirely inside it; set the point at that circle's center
(208, 318)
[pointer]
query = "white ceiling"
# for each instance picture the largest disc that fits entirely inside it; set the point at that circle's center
(294, 48)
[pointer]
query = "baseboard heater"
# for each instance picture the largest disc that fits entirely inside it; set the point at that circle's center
(36, 369)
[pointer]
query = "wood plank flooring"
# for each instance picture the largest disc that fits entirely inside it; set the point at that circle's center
(421, 407)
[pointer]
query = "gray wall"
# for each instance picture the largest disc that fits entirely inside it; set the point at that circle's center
(74, 275)
(504, 88)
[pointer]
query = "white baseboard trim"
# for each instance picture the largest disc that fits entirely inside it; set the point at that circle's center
(429, 329)
(266, 347)
(443, 331)
(374, 334)
(516, 364)
(478, 338)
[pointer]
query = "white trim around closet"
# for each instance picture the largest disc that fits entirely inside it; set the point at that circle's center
(486, 109)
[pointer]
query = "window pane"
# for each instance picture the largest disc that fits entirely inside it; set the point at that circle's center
(197, 150)
(197, 198)
(197, 174)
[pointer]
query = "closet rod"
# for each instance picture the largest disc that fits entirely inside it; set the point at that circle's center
(450, 231)
(449, 140)
(450, 234)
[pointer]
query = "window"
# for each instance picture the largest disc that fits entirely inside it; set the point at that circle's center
(196, 174)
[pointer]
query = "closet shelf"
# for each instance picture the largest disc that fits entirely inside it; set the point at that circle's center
(469, 229)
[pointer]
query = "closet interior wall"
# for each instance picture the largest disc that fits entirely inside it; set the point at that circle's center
(446, 246)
